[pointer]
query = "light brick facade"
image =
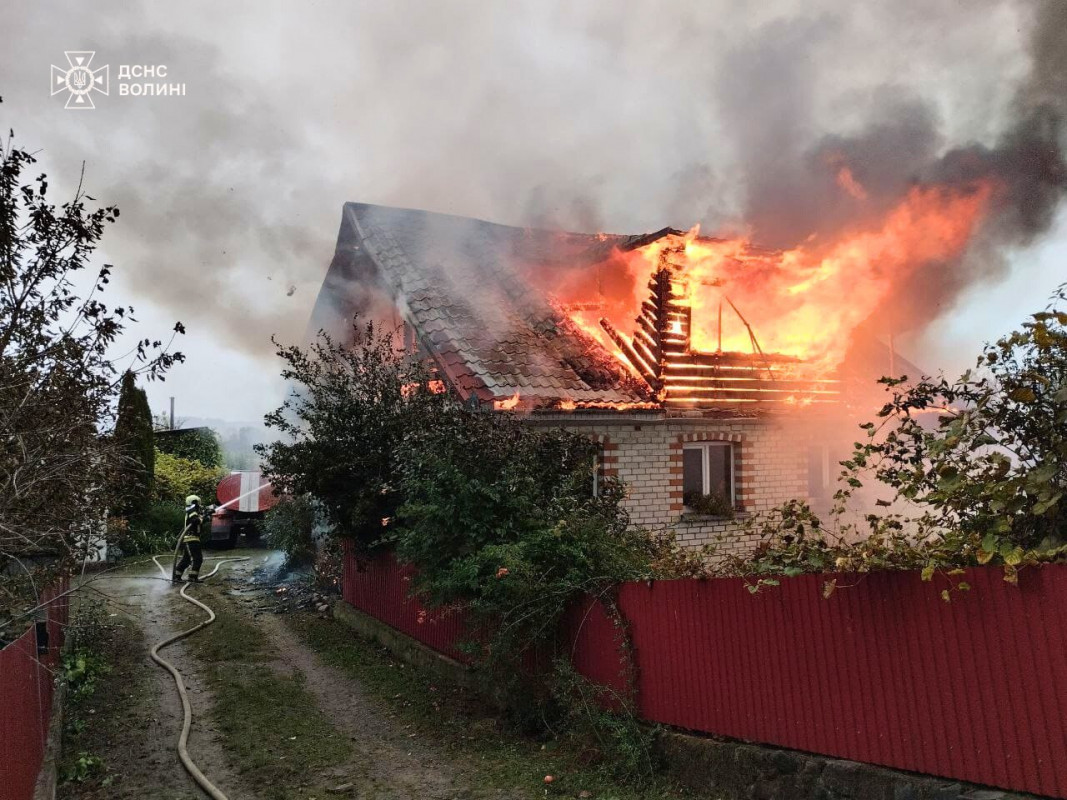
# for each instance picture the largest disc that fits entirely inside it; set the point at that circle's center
(645, 453)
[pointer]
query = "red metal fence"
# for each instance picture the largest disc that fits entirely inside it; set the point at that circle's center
(381, 587)
(883, 671)
(26, 687)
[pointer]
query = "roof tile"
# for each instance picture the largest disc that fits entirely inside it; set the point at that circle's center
(486, 324)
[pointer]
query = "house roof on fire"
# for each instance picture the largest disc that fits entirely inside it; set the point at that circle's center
(458, 282)
(473, 293)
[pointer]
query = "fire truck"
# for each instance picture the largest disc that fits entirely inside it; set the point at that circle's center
(243, 499)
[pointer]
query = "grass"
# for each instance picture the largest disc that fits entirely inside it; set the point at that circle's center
(230, 639)
(271, 728)
(502, 760)
(106, 690)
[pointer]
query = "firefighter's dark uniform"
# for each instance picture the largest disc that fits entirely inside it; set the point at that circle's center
(190, 543)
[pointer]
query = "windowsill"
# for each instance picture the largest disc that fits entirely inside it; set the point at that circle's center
(692, 518)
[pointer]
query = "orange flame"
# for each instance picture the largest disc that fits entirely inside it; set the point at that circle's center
(803, 302)
(507, 404)
(847, 181)
(434, 386)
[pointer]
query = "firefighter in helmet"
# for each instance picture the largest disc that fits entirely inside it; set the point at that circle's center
(190, 541)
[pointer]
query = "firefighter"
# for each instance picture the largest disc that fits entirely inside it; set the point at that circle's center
(190, 541)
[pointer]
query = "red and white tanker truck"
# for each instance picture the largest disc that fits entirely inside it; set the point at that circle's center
(243, 499)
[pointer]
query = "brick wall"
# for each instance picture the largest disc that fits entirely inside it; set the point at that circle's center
(770, 467)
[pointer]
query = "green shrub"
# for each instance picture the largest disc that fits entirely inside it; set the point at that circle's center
(177, 477)
(83, 662)
(709, 505)
(82, 768)
(192, 444)
(604, 727)
(290, 527)
(155, 531)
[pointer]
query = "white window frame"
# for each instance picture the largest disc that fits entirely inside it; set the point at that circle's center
(705, 465)
(819, 459)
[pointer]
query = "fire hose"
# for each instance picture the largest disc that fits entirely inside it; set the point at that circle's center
(187, 710)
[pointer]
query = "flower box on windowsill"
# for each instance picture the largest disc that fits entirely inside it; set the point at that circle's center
(692, 518)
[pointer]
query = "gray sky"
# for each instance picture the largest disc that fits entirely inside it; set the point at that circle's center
(615, 116)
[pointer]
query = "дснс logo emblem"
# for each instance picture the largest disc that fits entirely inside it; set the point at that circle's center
(80, 79)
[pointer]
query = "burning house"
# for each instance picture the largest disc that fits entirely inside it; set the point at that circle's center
(709, 408)
(720, 378)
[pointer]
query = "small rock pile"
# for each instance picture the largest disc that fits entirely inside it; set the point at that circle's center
(298, 596)
(322, 603)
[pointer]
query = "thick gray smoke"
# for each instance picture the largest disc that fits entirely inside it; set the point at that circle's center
(792, 184)
(614, 117)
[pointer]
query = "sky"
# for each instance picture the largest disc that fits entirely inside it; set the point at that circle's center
(620, 116)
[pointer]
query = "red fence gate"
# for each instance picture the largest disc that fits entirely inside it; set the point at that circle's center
(26, 687)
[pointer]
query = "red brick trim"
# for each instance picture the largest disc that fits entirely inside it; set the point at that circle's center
(741, 477)
(604, 462)
(711, 436)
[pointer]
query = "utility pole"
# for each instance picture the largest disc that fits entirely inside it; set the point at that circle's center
(172, 413)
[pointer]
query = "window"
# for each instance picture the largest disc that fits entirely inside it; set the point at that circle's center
(820, 480)
(708, 472)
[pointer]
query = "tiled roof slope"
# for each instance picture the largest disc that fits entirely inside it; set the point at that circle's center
(459, 283)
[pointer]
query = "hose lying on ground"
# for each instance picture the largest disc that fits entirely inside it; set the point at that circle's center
(183, 737)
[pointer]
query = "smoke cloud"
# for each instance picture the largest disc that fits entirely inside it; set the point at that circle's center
(623, 119)
(794, 182)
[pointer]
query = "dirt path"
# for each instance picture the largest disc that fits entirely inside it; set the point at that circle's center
(389, 761)
(135, 728)
(292, 708)
(133, 721)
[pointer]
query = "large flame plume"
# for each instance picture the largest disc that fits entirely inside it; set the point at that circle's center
(803, 302)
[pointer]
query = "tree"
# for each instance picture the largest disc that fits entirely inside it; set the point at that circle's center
(994, 468)
(178, 477)
(58, 379)
(342, 425)
(192, 444)
(975, 468)
(136, 442)
(468, 496)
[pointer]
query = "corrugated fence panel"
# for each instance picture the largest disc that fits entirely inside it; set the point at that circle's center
(24, 706)
(26, 689)
(594, 646)
(883, 671)
(381, 587)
